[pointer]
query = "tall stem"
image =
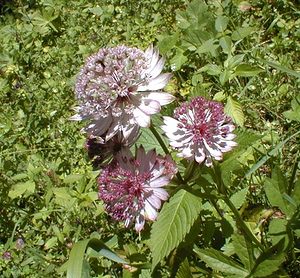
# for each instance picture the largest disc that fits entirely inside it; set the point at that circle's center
(241, 223)
(239, 220)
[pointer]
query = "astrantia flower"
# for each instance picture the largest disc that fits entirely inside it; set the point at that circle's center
(115, 90)
(101, 152)
(200, 131)
(132, 187)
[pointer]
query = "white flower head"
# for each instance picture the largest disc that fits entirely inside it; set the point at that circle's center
(116, 90)
(132, 187)
(200, 130)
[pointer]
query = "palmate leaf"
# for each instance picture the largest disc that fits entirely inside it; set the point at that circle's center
(173, 223)
(234, 110)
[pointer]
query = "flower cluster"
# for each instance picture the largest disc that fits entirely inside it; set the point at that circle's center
(200, 130)
(116, 92)
(131, 187)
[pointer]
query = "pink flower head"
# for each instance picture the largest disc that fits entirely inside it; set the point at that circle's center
(200, 130)
(115, 90)
(131, 187)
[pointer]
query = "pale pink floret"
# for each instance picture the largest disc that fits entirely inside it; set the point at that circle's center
(116, 90)
(132, 187)
(200, 130)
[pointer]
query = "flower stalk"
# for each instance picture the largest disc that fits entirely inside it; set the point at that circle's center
(165, 149)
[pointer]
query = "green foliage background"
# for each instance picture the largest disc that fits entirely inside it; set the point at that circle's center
(245, 54)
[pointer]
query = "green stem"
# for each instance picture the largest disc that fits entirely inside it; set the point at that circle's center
(164, 147)
(159, 139)
(241, 223)
(189, 170)
(239, 220)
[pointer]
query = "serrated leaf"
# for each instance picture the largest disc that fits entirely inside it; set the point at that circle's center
(184, 270)
(269, 266)
(244, 250)
(234, 110)
(174, 222)
(220, 262)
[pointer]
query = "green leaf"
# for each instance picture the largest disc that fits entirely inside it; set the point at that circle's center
(73, 178)
(276, 196)
(273, 152)
(75, 262)
(218, 261)
(182, 21)
(96, 11)
(26, 188)
(77, 256)
(246, 70)
(226, 44)
(50, 243)
(149, 141)
(294, 113)
(167, 43)
(225, 76)
(269, 266)
(178, 60)
(234, 110)
(102, 250)
(282, 68)
(234, 61)
(239, 197)
(174, 222)
(241, 33)
(221, 23)
(208, 46)
(184, 270)
(244, 250)
(278, 231)
(211, 69)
